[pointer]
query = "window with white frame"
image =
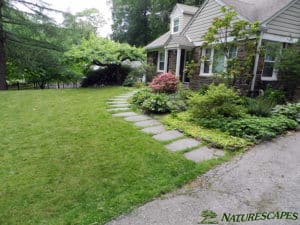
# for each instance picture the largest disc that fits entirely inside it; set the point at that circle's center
(161, 61)
(271, 50)
(207, 57)
(175, 25)
(214, 61)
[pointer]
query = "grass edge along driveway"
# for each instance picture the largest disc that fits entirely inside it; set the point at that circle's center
(65, 160)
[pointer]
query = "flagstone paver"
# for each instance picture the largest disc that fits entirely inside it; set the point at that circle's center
(119, 105)
(117, 102)
(124, 114)
(137, 118)
(118, 109)
(147, 123)
(182, 144)
(154, 130)
(199, 155)
(168, 135)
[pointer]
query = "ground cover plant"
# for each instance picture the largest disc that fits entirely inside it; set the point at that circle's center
(66, 160)
(222, 108)
(224, 119)
(212, 137)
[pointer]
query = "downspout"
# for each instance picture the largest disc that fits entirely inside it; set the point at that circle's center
(256, 62)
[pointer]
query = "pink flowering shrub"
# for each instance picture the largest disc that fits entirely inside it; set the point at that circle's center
(164, 83)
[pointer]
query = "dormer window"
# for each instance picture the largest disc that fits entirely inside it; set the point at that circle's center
(176, 25)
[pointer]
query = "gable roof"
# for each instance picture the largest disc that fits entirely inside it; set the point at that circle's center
(170, 40)
(256, 10)
(187, 9)
(159, 42)
(251, 10)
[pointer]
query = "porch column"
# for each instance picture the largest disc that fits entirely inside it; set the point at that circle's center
(166, 61)
(178, 62)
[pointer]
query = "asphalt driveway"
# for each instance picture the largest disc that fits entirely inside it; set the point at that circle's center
(266, 179)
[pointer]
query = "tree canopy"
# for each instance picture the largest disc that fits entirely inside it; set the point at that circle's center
(34, 48)
(101, 52)
(139, 22)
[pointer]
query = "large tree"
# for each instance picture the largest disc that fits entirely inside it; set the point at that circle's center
(33, 44)
(139, 22)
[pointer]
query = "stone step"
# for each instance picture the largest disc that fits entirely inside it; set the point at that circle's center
(147, 123)
(124, 114)
(120, 105)
(168, 135)
(117, 102)
(154, 130)
(182, 144)
(118, 109)
(204, 153)
(137, 118)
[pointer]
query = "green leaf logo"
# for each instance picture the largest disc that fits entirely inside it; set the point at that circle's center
(209, 217)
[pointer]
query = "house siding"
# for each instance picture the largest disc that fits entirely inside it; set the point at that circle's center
(203, 20)
(286, 23)
(183, 19)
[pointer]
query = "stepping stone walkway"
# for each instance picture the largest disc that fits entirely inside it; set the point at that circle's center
(154, 130)
(137, 118)
(168, 135)
(153, 127)
(203, 153)
(118, 109)
(147, 123)
(183, 144)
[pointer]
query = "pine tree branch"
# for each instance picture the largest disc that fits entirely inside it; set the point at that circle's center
(31, 42)
(39, 6)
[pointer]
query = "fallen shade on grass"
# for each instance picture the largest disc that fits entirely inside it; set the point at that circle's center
(66, 160)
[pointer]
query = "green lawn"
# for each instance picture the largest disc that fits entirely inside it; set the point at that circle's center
(65, 160)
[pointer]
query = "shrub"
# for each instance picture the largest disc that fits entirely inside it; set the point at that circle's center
(151, 72)
(139, 97)
(274, 95)
(134, 76)
(159, 102)
(110, 75)
(203, 89)
(156, 102)
(217, 101)
(261, 106)
(291, 110)
(177, 102)
(164, 83)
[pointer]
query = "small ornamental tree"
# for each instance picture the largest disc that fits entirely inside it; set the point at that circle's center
(164, 83)
(227, 34)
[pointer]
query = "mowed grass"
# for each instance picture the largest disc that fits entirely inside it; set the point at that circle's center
(65, 160)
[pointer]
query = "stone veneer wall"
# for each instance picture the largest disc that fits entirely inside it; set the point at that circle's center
(172, 57)
(152, 57)
(197, 81)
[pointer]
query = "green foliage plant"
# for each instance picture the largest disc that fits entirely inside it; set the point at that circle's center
(134, 76)
(274, 95)
(259, 128)
(219, 100)
(288, 64)
(290, 110)
(260, 106)
(214, 137)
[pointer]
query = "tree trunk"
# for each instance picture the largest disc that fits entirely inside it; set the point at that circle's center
(3, 85)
